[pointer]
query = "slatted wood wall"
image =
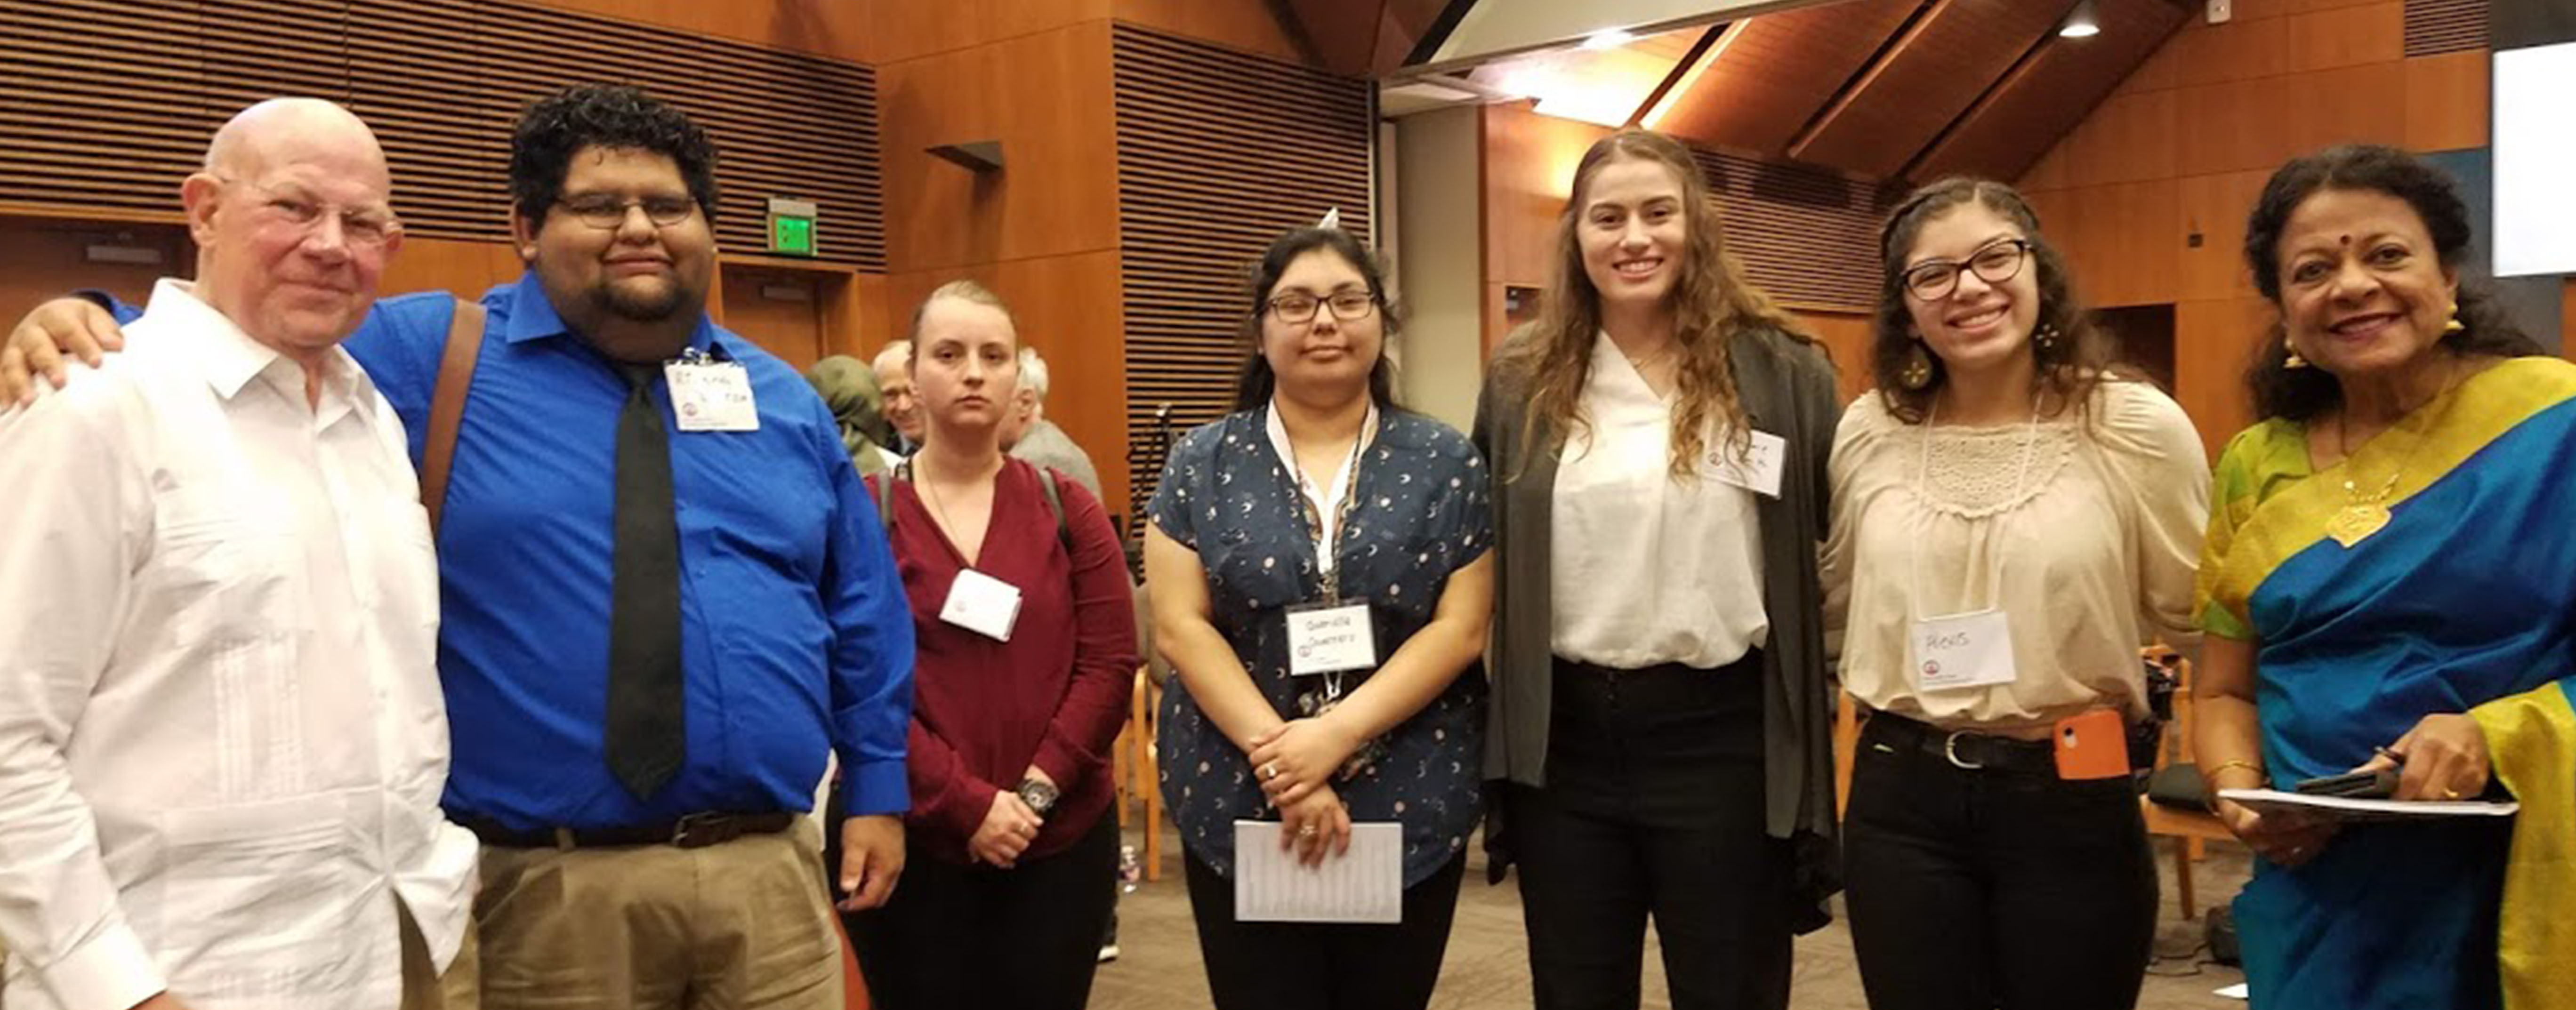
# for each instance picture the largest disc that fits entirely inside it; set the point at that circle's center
(1807, 237)
(107, 104)
(1218, 152)
(2434, 27)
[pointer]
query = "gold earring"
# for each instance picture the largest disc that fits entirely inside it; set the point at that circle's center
(2454, 326)
(1918, 368)
(2294, 360)
(2047, 338)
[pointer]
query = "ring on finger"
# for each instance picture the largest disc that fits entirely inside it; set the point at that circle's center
(1270, 771)
(1306, 831)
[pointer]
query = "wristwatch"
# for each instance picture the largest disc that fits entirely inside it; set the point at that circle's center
(1038, 795)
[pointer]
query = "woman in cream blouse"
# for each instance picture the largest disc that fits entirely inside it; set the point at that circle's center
(2012, 518)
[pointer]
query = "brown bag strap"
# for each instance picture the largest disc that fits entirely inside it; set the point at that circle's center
(447, 405)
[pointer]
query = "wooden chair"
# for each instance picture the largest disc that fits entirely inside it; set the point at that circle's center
(1140, 787)
(2191, 830)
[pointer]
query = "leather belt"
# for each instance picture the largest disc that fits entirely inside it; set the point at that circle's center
(1971, 751)
(695, 831)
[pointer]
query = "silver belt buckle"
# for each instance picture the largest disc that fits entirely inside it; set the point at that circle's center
(1950, 749)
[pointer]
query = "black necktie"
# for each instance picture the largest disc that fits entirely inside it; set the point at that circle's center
(647, 723)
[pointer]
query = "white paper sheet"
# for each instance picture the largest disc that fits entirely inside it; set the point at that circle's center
(2238, 991)
(1363, 885)
(2343, 809)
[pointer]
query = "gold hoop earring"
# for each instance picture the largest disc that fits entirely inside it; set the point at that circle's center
(2294, 360)
(2455, 325)
(1917, 372)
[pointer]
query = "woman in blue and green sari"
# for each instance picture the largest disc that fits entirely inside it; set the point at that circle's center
(2390, 578)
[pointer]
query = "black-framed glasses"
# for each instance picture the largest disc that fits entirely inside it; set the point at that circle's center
(605, 212)
(1299, 307)
(1933, 280)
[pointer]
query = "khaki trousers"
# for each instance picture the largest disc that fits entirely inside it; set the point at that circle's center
(744, 925)
(424, 986)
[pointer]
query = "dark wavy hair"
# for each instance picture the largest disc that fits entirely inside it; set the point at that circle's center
(560, 125)
(2071, 366)
(1258, 382)
(2300, 394)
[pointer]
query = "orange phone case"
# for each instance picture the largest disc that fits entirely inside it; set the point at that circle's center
(2094, 745)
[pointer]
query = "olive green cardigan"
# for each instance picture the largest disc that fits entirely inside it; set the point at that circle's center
(1787, 389)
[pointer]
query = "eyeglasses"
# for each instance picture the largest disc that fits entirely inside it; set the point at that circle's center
(1933, 280)
(606, 213)
(1297, 307)
(363, 227)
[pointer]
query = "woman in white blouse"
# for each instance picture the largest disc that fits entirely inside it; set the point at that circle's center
(2012, 518)
(1660, 715)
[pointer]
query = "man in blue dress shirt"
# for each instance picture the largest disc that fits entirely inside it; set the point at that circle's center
(667, 597)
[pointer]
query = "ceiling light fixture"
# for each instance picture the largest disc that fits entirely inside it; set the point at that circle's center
(2081, 23)
(1608, 38)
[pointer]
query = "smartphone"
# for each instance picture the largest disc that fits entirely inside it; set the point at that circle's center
(2370, 785)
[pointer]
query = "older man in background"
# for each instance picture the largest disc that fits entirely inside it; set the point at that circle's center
(894, 379)
(222, 740)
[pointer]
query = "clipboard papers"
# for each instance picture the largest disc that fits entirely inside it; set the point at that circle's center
(1365, 885)
(2353, 811)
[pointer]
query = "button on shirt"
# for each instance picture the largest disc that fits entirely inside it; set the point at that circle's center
(795, 638)
(221, 735)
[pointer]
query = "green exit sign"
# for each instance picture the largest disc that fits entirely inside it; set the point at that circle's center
(791, 227)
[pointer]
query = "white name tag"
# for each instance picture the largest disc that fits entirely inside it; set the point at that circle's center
(1330, 640)
(982, 604)
(1962, 651)
(711, 396)
(1757, 469)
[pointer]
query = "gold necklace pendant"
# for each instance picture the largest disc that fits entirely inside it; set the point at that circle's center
(2356, 522)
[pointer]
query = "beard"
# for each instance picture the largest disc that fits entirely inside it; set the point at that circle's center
(654, 306)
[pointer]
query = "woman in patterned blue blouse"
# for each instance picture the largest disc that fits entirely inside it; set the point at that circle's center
(1277, 710)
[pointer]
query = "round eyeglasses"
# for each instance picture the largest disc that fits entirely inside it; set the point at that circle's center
(1933, 280)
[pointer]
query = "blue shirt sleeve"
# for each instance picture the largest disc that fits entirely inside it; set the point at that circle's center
(1182, 475)
(125, 314)
(872, 646)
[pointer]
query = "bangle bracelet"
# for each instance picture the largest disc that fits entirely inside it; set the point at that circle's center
(2211, 776)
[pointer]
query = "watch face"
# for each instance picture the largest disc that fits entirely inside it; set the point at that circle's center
(1038, 795)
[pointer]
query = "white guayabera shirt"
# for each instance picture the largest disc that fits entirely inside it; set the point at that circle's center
(222, 740)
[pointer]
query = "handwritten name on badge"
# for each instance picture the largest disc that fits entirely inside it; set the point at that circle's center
(1756, 467)
(1330, 640)
(1963, 651)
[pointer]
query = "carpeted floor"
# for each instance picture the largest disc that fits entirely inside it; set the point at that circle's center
(1487, 969)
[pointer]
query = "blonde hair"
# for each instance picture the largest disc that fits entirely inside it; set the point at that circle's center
(1712, 301)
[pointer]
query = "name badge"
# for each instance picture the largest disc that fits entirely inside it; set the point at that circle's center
(1962, 651)
(711, 396)
(982, 604)
(1757, 468)
(1330, 639)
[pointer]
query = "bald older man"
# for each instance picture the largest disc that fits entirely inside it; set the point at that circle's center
(222, 738)
(893, 366)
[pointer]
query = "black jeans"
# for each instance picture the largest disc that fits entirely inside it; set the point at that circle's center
(1322, 966)
(1653, 807)
(1977, 889)
(961, 937)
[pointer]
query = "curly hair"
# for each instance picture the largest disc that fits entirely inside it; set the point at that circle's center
(1712, 302)
(2300, 394)
(1255, 386)
(2071, 366)
(615, 116)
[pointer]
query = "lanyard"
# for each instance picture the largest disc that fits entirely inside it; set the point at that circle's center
(1326, 524)
(1923, 488)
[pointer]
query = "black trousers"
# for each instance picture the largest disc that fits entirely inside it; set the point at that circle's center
(1653, 808)
(1978, 889)
(973, 937)
(1322, 966)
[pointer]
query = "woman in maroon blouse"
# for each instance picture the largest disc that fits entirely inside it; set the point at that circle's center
(1027, 654)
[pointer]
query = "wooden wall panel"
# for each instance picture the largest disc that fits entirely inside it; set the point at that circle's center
(2447, 102)
(41, 260)
(111, 103)
(1206, 177)
(1846, 336)
(1251, 26)
(858, 319)
(2435, 27)
(1932, 73)
(2128, 138)
(1774, 72)
(2347, 37)
(2213, 342)
(462, 268)
(833, 28)
(2214, 207)
(2047, 93)
(1528, 174)
(902, 30)
(781, 310)
(1047, 98)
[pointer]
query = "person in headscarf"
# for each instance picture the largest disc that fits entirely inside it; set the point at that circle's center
(849, 387)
